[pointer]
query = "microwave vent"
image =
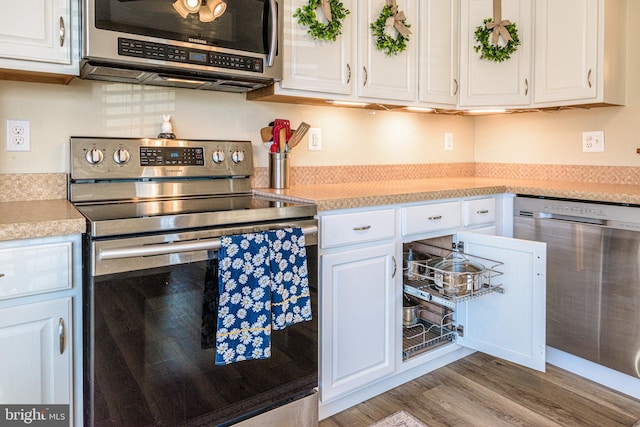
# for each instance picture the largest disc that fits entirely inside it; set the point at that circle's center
(115, 73)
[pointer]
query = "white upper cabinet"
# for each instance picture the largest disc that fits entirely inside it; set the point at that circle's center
(382, 75)
(438, 82)
(312, 64)
(38, 35)
(575, 39)
(484, 83)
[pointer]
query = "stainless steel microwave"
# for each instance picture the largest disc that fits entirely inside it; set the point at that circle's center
(227, 45)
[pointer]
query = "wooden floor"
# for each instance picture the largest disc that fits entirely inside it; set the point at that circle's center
(481, 390)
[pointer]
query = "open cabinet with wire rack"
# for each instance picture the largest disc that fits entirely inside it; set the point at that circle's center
(478, 291)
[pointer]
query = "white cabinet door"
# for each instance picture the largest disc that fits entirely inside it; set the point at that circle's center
(509, 325)
(32, 30)
(381, 75)
(36, 353)
(438, 52)
(358, 319)
(566, 53)
(317, 65)
(485, 83)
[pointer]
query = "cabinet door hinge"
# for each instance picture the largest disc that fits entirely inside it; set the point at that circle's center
(458, 247)
(460, 330)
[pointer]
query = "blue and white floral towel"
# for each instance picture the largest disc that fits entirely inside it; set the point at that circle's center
(290, 300)
(263, 283)
(244, 309)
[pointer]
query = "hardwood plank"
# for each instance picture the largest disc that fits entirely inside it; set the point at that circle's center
(481, 390)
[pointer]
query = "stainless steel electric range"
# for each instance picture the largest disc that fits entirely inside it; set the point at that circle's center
(155, 210)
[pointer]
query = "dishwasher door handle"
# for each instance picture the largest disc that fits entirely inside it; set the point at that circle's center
(569, 218)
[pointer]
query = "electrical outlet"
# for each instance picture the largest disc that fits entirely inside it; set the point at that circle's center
(448, 141)
(592, 141)
(18, 135)
(315, 139)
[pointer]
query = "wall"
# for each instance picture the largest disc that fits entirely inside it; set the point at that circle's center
(556, 138)
(85, 108)
(350, 137)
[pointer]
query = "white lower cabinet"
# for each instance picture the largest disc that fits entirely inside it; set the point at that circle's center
(37, 358)
(40, 309)
(504, 316)
(358, 298)
(368, 345)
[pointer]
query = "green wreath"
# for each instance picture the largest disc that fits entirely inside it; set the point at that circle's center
(307, 17)
(385, 42)
(495, 53)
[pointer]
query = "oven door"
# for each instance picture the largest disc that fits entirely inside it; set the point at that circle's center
(144, 336)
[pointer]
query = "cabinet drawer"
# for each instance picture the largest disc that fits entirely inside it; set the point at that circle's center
(344, 229)
(425, 218)
(34, 269)
(480, 211)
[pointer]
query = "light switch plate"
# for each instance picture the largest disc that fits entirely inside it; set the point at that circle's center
(592, 141)
(315, 139)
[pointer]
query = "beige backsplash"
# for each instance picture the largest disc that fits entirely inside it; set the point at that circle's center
(338, 174)
(53, 186)
(22, 187)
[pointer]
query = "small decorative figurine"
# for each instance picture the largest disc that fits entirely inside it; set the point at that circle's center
(167, 129)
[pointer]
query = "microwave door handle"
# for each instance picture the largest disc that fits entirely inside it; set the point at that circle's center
(273, 40)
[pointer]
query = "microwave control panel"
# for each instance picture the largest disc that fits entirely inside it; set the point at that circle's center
(167, 52)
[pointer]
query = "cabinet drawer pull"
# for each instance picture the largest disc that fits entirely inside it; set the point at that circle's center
(362, 228)
(62, 31)
(589, 77)
(1, 275)
(348, 73)
(483, 211)
(526, 87)
(62, 335)
(366, 76)
(435, 218)
(455, 91)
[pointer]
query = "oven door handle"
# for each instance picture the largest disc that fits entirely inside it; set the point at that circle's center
(171, 248)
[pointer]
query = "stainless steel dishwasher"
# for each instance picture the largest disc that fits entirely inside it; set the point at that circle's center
(593, 277)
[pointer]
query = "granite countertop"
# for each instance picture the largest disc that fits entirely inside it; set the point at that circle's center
(39, 218)
(43, 218)
(377, 193)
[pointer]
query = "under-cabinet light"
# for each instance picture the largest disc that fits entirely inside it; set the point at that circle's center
(488, 111)
(347, 103)
(419, 109)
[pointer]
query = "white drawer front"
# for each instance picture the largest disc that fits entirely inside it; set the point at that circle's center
(34, 269)
(439, 216)
(344, 229)
(480, 211)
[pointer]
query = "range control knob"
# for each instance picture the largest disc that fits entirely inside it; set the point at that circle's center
(237, 156)
(121, 156)
(94, 156)
(217, 156)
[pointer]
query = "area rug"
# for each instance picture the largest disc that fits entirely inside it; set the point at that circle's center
(399, 419)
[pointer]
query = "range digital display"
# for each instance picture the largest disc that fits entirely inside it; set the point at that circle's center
(171, 156)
